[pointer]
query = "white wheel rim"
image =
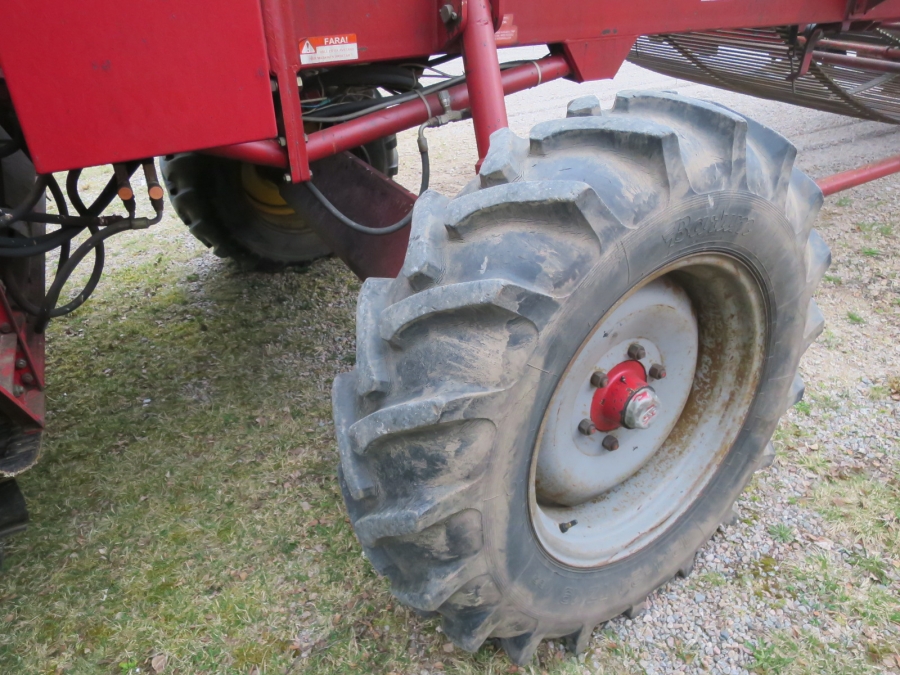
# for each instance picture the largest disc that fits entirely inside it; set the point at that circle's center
(621, 501)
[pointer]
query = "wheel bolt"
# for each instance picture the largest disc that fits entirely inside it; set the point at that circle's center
(636, 352)
(599, 379)
(18, 390)
(20, 363)
(586, 427)
(27, 378)
(657, 372)
(610, 442)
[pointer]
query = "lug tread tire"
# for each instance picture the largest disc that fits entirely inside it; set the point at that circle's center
(442, 346)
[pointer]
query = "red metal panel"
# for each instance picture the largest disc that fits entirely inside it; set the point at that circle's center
(385, 29)
(406, 28)
(102, 81)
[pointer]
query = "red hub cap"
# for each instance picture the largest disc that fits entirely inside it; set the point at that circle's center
(627, 400)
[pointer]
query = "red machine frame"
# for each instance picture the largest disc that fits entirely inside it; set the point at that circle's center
(218, 66)
(139, 79)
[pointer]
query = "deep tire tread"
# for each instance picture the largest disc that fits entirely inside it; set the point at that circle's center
(426, 535)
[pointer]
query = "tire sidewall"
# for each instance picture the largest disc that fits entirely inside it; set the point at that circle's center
(738, 223)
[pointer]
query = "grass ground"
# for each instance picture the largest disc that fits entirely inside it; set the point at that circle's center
(186, 517)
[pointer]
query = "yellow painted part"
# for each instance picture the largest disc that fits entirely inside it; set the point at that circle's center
(263, 193)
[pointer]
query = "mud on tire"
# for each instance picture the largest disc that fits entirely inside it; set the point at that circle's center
(459, 356)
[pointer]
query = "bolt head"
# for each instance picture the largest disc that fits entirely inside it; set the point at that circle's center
(20, 363)
(282, 141)
(636, 352)
(657, 371)
(18, 390)
(448, 14)
(287, 178)
(599, 379)
(27, 378)
(610, 442)
(586, 427)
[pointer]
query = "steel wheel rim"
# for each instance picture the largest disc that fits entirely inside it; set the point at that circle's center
(636, 492)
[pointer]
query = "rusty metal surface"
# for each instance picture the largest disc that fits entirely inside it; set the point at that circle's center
(365, 196)
(761, 62)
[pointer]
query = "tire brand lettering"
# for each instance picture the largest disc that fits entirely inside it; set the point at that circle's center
(688, 228)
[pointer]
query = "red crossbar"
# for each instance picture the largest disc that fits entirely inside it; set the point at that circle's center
(864, 174)
(373, 126)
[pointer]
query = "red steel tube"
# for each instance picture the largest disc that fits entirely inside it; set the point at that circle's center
(860, 48)
(483, 74)
(877, 65)
(864, 174)
(373, 126)
(266, 153)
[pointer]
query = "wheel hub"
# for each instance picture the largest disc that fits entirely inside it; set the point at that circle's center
(627, 400)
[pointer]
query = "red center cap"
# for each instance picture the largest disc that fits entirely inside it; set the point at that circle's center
(626, 401)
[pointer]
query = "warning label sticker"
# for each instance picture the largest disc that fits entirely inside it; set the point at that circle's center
(328, 48)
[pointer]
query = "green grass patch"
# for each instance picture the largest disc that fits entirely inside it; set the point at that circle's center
(855, 318)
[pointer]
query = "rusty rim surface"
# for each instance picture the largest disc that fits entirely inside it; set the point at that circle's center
(703, 318)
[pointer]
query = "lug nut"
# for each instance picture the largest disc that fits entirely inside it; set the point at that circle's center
(20, 363)
(636, 351)
(610, 442)
(18, 390)
(599, 379)
(586, 427)
(27, 378)
(657, 372)
(565, 527)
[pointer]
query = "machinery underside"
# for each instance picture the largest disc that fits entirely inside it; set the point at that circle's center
(855, 73)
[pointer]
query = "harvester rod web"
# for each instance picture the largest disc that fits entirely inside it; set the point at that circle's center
(761, 61)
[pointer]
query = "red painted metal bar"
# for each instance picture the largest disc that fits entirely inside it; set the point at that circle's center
(860, 48)
(877, 65)
(864, 174)
(266, 153)
(383, 123)
(284, 61)
(483, 75)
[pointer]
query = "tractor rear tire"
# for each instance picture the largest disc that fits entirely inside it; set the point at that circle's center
(235, 209)
(449, 427)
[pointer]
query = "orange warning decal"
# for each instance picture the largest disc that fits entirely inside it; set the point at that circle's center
(328, 48)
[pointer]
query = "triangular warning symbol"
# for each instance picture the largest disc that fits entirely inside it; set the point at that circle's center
(308, 48)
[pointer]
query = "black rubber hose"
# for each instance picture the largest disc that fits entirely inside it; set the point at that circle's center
(25, 247)
(72, 190)
(57, 195)
(378, 231)
(95, 241)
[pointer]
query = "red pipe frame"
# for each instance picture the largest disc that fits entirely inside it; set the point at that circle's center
(483, 92)
(373, 126)
(864, 174)
(483, 75)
